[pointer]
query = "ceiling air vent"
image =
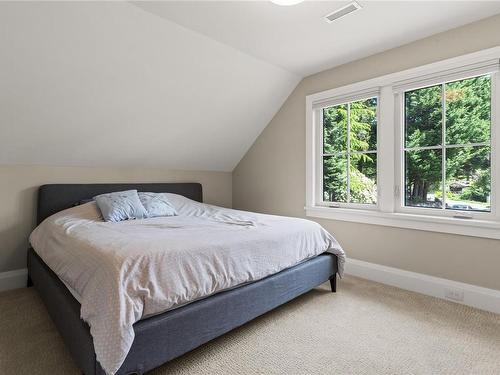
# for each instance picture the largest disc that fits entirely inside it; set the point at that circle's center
(349, 8)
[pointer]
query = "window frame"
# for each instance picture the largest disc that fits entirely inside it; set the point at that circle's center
(319, 198)
(399, 168)
(390, 209)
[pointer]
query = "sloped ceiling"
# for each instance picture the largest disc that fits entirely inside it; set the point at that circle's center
(182, 85)
(298, 38)
(109, 84)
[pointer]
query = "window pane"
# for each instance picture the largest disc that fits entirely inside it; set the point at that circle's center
(335, 129)
(364, 125)
(335, 178)
(423, 117)
(423, 178)
(468, 181)
(468, 111)
(363, 178)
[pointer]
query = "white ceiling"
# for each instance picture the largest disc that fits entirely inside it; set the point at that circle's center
(110, 84)
(87, 83)
(299, 40)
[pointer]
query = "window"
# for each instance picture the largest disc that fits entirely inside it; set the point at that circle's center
(415, 149)
(350, 152)
(447, 145)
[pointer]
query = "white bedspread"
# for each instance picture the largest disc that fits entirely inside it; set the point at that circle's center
(125, 271)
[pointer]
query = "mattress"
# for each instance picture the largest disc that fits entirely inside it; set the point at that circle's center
(123, 272)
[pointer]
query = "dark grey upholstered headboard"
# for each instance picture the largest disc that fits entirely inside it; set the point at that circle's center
(53, 198)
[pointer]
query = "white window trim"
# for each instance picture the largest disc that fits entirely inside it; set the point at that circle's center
(318, 121)
(389, 210)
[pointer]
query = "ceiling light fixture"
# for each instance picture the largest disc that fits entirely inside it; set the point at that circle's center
(286, 2)
(344, 11)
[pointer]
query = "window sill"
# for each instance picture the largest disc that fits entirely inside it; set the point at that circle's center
(466, 227)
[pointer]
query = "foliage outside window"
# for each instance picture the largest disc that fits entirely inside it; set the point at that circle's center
(350, 152)
(416, 149)
(447, 145)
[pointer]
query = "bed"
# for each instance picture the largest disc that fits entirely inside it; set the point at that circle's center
(163, 336)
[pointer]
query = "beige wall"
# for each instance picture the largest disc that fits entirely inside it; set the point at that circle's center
(18, 185)
(271, 176)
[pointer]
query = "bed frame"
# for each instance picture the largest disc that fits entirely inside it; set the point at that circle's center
(163, 337)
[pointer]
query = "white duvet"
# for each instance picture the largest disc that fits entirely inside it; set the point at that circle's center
(123, 272)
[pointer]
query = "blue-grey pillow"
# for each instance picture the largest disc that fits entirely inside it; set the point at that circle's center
(157, 204)
(121, 205)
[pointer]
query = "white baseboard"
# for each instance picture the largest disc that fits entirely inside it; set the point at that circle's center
(475, 296)
(13, 279)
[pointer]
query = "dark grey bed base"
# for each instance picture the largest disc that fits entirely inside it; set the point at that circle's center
(165, 336)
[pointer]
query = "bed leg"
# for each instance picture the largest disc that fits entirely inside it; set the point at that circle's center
(29, 283)
(333, 283)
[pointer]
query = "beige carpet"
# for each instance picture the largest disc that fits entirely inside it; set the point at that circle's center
(366, 328)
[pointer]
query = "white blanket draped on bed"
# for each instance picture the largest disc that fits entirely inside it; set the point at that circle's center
(123, 272)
